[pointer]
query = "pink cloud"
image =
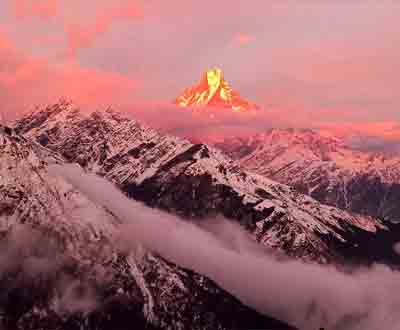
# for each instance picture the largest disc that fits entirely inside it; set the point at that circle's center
(29, 81)
(243, 39)
(349, 67)
(45, 9)
(53, 40)
(84, 35)
(208, 124)
(383, 129)
(307, 64)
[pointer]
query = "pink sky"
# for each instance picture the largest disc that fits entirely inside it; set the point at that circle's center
(331, 62)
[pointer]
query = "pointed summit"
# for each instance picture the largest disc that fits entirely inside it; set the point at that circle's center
(214, 90)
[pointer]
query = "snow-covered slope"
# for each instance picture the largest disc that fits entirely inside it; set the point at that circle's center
(193, 180)
(61, 270)
(324, 167)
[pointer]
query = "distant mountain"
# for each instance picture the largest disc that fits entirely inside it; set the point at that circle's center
(325, 168)
(214, 91)
(194, 181)
(61, 270)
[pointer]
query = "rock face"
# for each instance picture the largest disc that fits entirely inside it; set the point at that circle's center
(61, 270)
(324, 168)
(213, 90)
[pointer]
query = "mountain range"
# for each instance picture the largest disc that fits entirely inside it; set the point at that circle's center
(64, 270)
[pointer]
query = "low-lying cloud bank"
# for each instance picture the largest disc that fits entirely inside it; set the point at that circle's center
(303, 295)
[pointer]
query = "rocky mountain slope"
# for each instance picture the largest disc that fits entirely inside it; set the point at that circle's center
(195, 181)
(324, 167)
(62, 270)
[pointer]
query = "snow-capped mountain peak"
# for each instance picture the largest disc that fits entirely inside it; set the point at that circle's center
(213, 90)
